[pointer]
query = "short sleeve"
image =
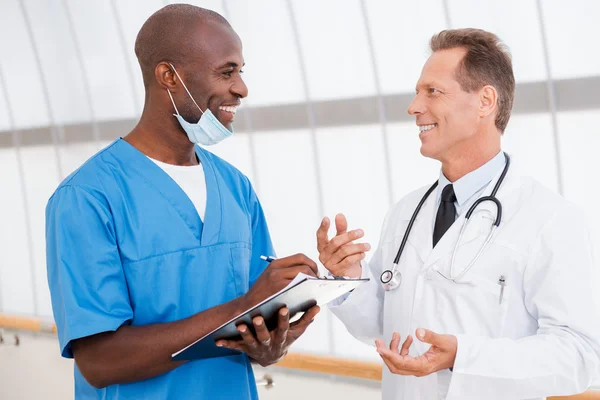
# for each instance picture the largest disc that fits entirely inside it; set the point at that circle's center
(85, 275)
(261, 239)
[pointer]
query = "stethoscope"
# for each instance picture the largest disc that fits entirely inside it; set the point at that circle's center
(391, 279)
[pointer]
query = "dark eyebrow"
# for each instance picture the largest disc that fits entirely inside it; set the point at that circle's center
(230, 64)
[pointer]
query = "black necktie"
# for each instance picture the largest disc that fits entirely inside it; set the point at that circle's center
(445, 215)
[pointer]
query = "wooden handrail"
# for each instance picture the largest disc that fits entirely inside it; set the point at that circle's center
(332, 366)
(298, 361)
(26, 324)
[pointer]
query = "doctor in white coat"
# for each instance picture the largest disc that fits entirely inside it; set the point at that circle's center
(518, 323)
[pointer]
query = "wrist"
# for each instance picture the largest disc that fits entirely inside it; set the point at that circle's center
(349, 273)
(354, 272)
(243, 303)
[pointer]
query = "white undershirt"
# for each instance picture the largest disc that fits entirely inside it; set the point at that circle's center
(191, 180)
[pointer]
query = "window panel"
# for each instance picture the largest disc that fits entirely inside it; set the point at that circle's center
(288, 190)
(272, 70)
(335, 49)
(353, 178)
(40, 173)
(579, 142)
(132, 14)
(346, 346)
(15, 268)
(516, 22)
(572, 35)
(401, 33)
(98, 37)
(21, 74)
(73, 155)
(5, 122)
(60, 65)
(236, 150)
(529, 139)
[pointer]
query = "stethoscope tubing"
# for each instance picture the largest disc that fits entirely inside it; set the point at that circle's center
(390, 278)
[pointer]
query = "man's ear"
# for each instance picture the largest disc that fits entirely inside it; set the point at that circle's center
(488, 100)
(165, 76)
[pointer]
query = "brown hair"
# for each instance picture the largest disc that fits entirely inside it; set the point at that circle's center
(487, 62)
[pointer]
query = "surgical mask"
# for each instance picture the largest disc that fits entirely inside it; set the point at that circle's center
(208, 130)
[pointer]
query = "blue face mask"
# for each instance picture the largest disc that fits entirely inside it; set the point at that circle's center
(208, 130)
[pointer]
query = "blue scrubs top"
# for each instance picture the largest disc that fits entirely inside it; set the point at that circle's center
(125, 245)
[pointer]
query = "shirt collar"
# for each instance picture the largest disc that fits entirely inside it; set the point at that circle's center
(474, 181)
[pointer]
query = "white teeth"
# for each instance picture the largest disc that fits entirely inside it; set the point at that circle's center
(424, 128)
(231, 109)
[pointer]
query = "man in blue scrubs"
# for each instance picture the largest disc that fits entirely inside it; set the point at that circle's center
(155, 242)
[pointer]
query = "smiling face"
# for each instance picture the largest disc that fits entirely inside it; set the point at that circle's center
(447, 116)
(213, 75)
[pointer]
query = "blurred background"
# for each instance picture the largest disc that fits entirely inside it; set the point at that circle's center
(324, 129)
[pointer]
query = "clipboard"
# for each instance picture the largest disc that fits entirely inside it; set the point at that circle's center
(298, 296)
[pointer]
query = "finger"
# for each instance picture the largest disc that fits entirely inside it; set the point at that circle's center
(262, 333)
(395, 342)
(322, 236)
(307, 317)
(289, 273)
(389, 358)
(283, 325)
(402, 365)
(406, 346)
(247, 337)
(348, 251)
(313, 267)
(302, 260)
(427, 336)
(290, 261)
(341, 225)
(342, 240)
(350, 261)
(232, 344)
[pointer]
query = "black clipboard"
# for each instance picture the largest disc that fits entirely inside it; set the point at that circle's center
(301, 294)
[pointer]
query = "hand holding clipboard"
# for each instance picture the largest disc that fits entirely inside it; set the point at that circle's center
(302, 294)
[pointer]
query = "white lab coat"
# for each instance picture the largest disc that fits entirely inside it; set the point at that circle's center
(542, 340)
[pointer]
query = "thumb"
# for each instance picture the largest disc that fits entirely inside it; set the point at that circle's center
(427, 336)
(341, 225)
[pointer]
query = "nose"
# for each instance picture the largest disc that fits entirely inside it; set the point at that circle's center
(416, 107)
(239, 88)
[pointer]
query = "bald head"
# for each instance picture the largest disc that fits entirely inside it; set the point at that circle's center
(170, 35)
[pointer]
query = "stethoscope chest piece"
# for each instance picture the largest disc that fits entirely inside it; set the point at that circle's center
(391, 279)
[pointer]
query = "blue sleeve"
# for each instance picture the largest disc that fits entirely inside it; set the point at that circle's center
(87, 283)
(261, 239)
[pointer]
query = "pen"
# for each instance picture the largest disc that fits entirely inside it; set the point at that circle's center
(268, 258)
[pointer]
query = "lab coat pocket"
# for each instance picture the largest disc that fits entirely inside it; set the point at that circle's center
(478, 307)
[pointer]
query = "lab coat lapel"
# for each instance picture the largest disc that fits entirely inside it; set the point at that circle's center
(213, 217)
(137, 162)
(421, 235)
